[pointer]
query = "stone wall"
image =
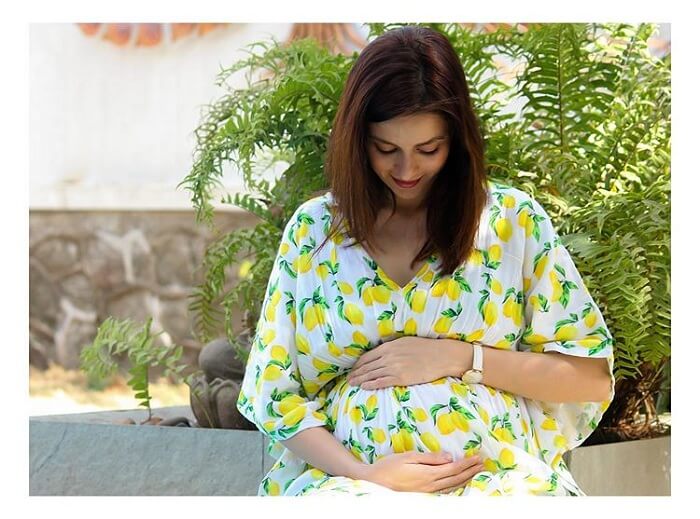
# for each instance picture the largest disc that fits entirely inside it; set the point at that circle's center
(85, 266)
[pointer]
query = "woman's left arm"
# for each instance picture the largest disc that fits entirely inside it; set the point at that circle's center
(532, 375)
(419, 360)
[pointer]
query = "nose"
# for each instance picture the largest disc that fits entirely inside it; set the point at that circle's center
(406, 170)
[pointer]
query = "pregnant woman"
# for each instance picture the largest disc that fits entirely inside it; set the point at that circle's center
(424, 329)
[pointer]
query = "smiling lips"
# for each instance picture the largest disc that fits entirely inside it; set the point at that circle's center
(406, 184)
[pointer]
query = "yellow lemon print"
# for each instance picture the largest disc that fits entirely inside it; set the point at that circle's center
(345, 288)
(316, 473)
(506, 458)
(590, 342)
(284, 248)
(442, 325)
(420, 414)
(503, 344)
(302, 344)
(356, 415)
(445, 424)
(379, 435)
(386, 327)
(418, 301)
(411, 327)
(397, 442)
(460, 421)
(334, 350)
(549, 424)
(503, 434)
(272, 373)
(278, 353)
(430, 441)
(290, 402)
(367, 296)
(508, 201)
(453, 289)
(590, 319)
(556, 286)
(504, 229)
(475, 257)
(439, 288)
(353, 313)
(566, 333)
(490, 313)
(310, 317)
(560, 442)
(322, 271)
(295, 416)
(522, 218)
(459, 389)
(475, 335)
(302, 263)
(273, 488)
(381, 294)
(495, 252)
(490, 465)
(408, 442)
(484, 415)
(371, 403)
(540, 265)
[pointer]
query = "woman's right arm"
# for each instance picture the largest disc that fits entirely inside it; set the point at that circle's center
(407, 471)
(320, 449)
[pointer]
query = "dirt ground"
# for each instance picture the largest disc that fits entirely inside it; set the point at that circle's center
(59, 391)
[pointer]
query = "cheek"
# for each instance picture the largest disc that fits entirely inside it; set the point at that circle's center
(380, 164)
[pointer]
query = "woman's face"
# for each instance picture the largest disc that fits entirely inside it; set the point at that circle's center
(407, 153)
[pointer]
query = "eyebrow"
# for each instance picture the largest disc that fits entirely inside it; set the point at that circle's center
(439, 138)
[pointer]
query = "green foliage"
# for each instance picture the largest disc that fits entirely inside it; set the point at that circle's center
(284, 116)
(115, 338)
(590, 140)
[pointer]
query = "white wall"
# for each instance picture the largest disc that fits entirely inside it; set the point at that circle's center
(112, 127)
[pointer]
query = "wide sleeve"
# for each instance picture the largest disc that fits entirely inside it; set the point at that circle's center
(272, 396)
(560, 315)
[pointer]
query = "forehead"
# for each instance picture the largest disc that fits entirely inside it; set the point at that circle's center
(410, 129)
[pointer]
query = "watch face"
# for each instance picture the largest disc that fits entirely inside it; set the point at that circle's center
(472, 377)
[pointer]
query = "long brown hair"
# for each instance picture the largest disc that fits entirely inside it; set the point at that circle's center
(405, 71)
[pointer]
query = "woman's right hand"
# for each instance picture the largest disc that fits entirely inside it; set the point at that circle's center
(422, 472)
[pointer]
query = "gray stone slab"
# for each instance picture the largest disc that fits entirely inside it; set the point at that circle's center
(87, 454)
(631, 468)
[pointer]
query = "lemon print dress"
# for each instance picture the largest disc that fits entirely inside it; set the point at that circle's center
(518, 291)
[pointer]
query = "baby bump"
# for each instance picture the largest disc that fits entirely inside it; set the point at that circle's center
(446, 415)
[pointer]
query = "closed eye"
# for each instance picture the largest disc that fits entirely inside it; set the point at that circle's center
(383, 152)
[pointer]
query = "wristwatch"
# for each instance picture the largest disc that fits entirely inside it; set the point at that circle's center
(474, 375)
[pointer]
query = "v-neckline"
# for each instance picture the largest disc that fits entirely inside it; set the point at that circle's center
(393, 285)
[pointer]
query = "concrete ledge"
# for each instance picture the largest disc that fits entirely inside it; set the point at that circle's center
(86, 454)
(632, 468)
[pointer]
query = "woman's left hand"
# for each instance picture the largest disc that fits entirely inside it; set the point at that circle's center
(405, 361)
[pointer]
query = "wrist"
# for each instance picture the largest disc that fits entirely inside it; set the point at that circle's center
(460, 357)
(359, 470)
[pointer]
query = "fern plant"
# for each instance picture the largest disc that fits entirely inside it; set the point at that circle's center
(590, 139)
(115, 338)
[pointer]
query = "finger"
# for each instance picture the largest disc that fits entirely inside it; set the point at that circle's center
(460, 479)
(380, 383)
(361, 369)
(458, 466)
(377, 372)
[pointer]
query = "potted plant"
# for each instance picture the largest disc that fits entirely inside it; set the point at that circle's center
(590, 141)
